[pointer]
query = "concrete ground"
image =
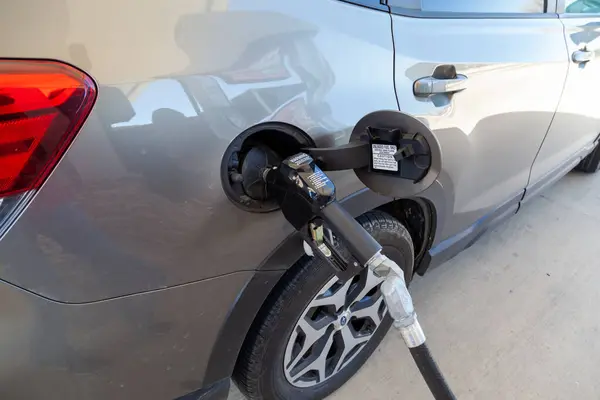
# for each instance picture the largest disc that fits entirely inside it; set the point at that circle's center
(516, 316)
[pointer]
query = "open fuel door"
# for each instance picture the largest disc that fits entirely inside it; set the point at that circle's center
(391, 152)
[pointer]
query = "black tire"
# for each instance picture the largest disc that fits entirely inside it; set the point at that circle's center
(591, 163)
(259, 371)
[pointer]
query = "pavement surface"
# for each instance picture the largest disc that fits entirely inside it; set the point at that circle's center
(516, 316)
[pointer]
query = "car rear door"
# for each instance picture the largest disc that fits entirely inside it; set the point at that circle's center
(486, 77)
(577, 122)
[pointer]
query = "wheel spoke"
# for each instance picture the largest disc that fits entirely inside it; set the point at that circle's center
(370, 310)
(321, 361)
(350, 342)
(317, 362)
(370, 281)
(337, 298)
(311, 335)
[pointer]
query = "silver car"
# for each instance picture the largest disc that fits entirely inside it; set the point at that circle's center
(136, 259)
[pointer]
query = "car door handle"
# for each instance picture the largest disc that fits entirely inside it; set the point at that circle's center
(429, 85)
(582, 56)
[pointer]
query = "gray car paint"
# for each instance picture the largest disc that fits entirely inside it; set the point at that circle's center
(577, 112)
(488, 145)
(154, 346)
(136, 204)
(141, 205)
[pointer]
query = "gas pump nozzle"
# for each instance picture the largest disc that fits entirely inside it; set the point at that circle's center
(307, 199)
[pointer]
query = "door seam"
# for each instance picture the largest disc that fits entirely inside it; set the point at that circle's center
(393, 59)
(557, 105)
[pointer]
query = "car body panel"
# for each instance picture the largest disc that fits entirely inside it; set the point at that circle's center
(576, 124)
(491, 131)
(453, 245)
(137, 204)
(135, 213)
(152, 346)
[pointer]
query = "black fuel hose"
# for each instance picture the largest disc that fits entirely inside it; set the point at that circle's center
(431, 373)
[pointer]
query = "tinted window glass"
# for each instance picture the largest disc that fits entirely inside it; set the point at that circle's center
(582, 6)
(474, 6)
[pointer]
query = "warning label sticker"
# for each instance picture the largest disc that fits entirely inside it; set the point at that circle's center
(383, 157)
(318, 179)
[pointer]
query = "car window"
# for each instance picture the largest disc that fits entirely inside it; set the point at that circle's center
(582, 7)
(473, 6)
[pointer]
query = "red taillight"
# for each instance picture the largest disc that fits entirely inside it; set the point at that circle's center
(42, 106)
